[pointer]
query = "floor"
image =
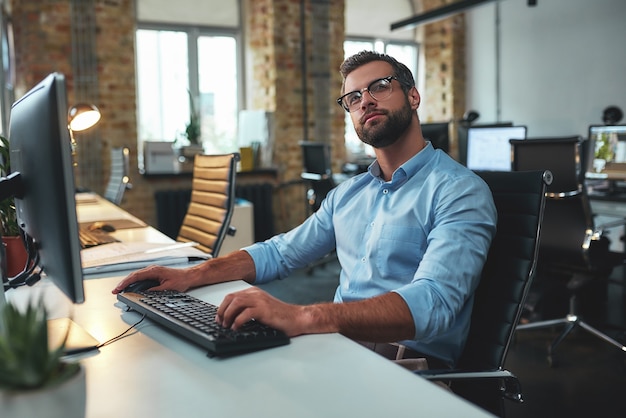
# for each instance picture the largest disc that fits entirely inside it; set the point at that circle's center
(588, 378)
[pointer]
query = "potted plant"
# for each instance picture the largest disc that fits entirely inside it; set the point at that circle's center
(193, 133)
(14, 250)
(35, 380)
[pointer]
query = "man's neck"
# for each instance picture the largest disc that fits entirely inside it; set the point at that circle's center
(393, 156)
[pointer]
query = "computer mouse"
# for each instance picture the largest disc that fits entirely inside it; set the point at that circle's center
(141, 285)
(102, 226)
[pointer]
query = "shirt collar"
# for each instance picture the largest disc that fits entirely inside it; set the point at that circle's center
(406, 170)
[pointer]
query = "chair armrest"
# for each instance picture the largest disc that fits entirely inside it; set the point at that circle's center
(511, 387)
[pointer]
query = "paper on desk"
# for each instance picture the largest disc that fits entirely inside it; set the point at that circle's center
(119, 256)
(85, 197)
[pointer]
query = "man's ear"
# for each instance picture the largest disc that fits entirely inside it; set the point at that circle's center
(414, 98)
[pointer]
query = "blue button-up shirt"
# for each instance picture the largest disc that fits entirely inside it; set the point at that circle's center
(424, 235)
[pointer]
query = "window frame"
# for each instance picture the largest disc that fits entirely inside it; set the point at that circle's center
(194, 32)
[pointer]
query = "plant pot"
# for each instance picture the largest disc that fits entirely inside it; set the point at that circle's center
(67, 400)
(190, 151)
(16, 255)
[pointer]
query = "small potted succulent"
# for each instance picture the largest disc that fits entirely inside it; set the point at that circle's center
(35, 380)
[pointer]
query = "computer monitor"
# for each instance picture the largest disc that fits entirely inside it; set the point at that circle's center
(438, 134)
(316, 158)
(43, 185)
(462, 129)
(488, 148)
(615, 137)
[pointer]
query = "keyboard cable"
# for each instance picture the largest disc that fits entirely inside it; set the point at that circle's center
(123, 334)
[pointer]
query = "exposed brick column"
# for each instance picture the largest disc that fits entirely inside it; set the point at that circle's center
(444, 93)
(274, 45)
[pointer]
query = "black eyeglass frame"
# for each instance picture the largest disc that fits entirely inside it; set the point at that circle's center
(364, 89)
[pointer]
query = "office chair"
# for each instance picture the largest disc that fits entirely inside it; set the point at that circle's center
(574, 253)
(207, 220)
(317, 174)
(480, 376)
(119, 180)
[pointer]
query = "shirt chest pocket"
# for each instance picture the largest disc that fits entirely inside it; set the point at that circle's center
(399, 250)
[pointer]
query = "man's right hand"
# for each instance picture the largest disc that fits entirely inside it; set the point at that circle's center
(169, 278)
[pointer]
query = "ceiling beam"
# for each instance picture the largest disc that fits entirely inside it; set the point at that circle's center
(439, 13)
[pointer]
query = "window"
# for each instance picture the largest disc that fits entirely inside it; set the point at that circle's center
(405, 52)
(181, 67)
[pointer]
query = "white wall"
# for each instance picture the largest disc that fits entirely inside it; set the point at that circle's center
(217, 13)
(560, 63)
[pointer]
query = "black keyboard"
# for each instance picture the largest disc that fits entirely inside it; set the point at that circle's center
(91, 238)
(194, 319)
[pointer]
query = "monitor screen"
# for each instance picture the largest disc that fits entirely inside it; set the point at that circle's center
(488, 148)
(46, 208)
(438, 134)
(316, 158)
(615, 138)
(462, 129)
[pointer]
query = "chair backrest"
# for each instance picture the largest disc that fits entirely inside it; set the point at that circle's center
(119, 179)
(207, 220)
(568, 219)
(560, 155)
(509, 269)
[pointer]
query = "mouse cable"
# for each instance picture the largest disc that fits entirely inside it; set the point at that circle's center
(122, 335)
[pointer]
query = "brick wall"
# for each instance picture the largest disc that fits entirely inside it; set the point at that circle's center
(443, 95)
(274, 43)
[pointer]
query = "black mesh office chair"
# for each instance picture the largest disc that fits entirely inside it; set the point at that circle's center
(574, 253)
(480, 376)
(119, 180)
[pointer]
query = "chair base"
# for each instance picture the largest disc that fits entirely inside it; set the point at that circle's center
(570, 322)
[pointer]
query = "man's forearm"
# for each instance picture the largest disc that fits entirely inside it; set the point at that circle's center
(385, 318)
(237, 265)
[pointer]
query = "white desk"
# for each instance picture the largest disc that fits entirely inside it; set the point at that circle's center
(101, 209)
(153, 373)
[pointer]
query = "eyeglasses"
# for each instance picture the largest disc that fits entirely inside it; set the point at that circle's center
(379, 90)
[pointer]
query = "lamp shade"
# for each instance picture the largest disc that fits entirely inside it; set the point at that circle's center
(82, 116)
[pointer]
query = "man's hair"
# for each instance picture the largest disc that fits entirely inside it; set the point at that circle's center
(400, 71)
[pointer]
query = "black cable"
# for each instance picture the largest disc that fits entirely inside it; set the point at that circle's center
(120, 336)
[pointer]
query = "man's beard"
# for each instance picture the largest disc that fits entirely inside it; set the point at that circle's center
(385, 133)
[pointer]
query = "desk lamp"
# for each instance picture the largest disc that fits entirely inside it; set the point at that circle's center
(80, 117)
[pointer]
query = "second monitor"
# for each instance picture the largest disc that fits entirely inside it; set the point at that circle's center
(488, 148)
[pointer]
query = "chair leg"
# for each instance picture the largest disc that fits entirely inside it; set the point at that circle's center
(570, 322)
(601, 335)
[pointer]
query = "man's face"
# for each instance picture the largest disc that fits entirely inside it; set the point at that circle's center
(378, 123)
